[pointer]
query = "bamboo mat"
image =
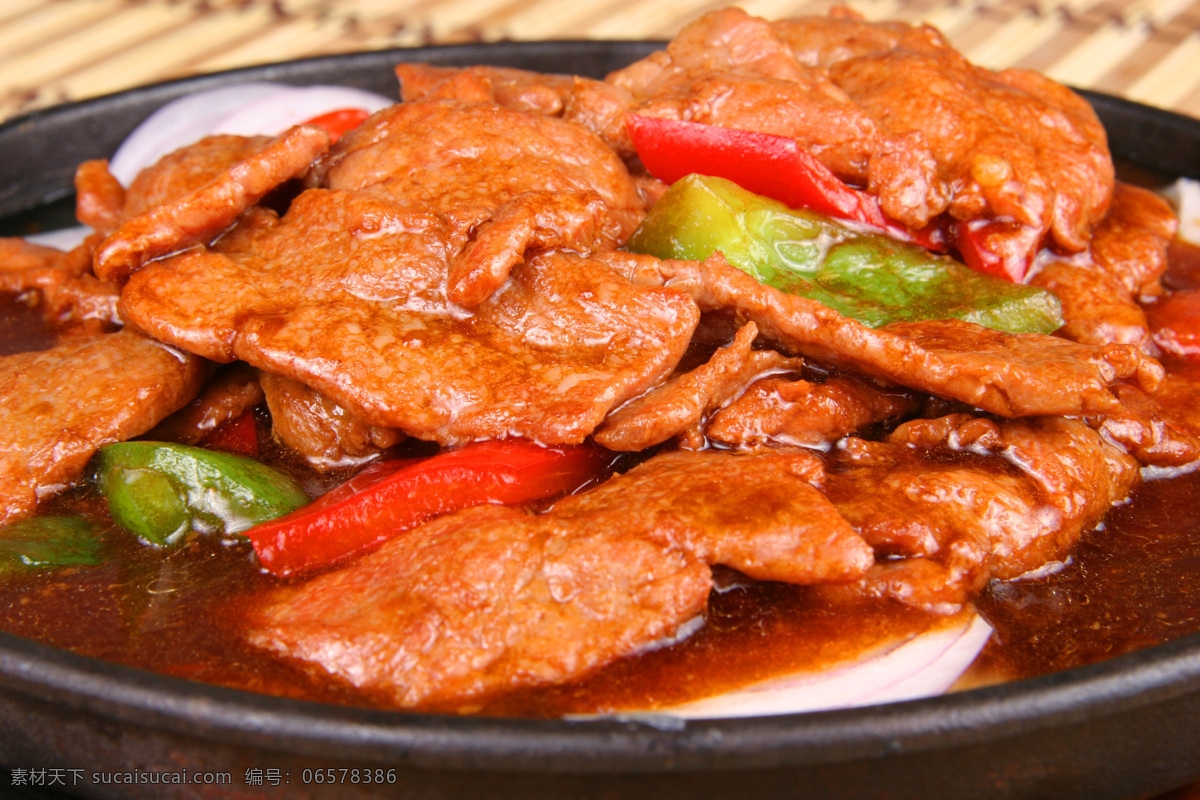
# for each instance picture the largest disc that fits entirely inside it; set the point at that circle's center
(57, 50)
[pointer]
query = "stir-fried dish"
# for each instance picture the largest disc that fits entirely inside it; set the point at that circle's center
(537, 394)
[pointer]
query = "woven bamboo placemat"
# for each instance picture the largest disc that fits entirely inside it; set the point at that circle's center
(57, 50)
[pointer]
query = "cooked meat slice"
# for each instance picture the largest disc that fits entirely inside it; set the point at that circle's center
(99, 197)
(679, 407)
(1131, 242)
(1097, 308)
(482, 601)
(520, 181)
(894, 108)
(442, 155)
(320, 430)
(529, 221)
(1128, 255)
(72, 300)
(843, 34)
(729, 68)
(103, 204)
(18, 255)
(233, 390)
(1011, 145)
(1159, 430)
(518, 89)
(799, 412)
(187, 170)
(25, 266)
(79, 305)
(1013, 374)
(1080, 474)
(491, 599)
(347, 294)
(201, 215)
(601, 107)
(1007, 374)
(61, 404)
(762, 514)
(953, 502)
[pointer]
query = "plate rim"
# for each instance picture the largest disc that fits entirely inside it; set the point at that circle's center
(634, 743)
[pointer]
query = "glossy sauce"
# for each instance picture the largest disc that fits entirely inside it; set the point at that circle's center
(22, 327)
(1132, 584)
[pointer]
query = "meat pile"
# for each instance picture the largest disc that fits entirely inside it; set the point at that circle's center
(451, 272)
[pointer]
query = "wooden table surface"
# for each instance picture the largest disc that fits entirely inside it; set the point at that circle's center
(57, 50)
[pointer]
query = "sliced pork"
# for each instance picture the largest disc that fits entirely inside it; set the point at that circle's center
(950, 503)
(167, 225)
(793, 411)
(61, 404)
(890, 107)
(232, 390)
(1160, 429)
(1099, 289)
(514, 181)
(318, 429)
(680, 406)
(71, 299)
(346, 294)
(522, 90)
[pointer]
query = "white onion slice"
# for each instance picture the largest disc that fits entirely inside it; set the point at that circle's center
(64, 239)
(181, 122)
(247, 109)
(292, 105)
(1185, 193)
(923, 665)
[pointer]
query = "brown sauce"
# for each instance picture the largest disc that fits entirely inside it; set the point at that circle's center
(1130, 584)
(23, 327)
(752, 632)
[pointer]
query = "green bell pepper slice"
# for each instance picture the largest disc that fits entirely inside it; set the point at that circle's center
(161, 491)
(859, 273)
(48, 542)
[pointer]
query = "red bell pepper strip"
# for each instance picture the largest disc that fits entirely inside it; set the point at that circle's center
(1175, 323)
(763, 163)
(395, 495)
(1003, 249)
(336, 123)
(238, 435)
